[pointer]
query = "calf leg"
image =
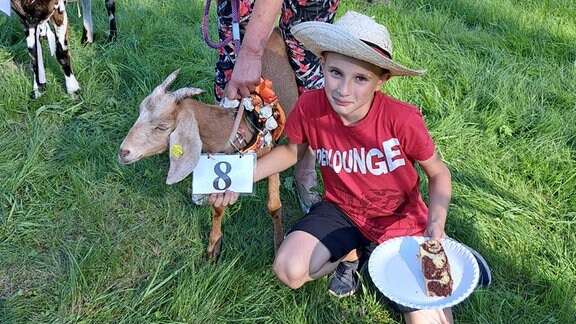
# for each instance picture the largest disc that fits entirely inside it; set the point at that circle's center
(88, 27)
(215, 240)
(88, 30)
(111, 8)
(60, 22)
(35, 52)
(275, 208)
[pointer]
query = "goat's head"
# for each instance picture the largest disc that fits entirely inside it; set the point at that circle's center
(162, 124)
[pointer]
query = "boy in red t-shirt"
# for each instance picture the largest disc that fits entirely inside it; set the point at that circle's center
(367, 145)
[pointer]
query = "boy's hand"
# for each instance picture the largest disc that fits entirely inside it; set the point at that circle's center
(223, 199)
(435, 230)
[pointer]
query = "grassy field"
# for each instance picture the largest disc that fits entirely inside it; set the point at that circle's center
(84, 239)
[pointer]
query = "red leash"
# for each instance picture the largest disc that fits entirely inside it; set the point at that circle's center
(235, 27)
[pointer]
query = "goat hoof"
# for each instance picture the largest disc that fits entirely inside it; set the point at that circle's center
(111, 38)
(74, 95)
(214, 251)
(37, 92)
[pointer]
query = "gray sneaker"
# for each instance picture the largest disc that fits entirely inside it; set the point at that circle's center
(306, 196)
(344, 281)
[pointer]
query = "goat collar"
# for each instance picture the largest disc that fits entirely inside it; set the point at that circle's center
(269, 120)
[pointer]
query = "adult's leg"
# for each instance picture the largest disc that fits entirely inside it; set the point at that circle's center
(306, 65)
(308, 75)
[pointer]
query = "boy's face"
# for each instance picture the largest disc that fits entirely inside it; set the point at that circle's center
(350, 85)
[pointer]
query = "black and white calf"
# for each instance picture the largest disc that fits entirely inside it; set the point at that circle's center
(34, 15)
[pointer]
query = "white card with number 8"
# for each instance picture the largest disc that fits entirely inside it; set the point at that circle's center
(217, 173)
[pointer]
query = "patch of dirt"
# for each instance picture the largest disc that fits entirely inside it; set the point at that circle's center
(22, 282)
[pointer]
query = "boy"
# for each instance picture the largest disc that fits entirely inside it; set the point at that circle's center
(367, 144)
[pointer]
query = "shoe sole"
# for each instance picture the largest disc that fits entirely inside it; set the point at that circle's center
(348, 294)
(360, 272)
(485, 273)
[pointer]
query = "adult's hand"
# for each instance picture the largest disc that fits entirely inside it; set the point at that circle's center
(245, 76)
(248, 66)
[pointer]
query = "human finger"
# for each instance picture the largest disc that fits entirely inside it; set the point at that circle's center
(231, 92)
(245, 91)
(229, 197)
(215, 199)
(435, 231)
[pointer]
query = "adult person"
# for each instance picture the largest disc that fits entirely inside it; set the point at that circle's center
(238, 73)
(368, 144)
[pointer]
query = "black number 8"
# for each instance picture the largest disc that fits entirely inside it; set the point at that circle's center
(222, 175)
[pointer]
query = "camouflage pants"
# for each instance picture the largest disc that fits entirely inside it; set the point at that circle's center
(306, 66)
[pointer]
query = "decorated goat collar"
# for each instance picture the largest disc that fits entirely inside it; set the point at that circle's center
(268, 118)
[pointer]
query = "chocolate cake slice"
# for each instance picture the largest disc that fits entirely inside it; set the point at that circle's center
(436, 269)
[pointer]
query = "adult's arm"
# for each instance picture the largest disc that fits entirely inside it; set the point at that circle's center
(248, 67)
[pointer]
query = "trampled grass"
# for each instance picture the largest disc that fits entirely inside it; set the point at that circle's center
(84, 239)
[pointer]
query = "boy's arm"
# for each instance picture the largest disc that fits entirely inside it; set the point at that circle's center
(277, 160)
(439, 194)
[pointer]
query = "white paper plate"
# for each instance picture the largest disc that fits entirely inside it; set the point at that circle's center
(396, 271)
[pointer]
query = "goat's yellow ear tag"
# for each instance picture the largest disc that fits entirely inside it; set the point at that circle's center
(176, 151)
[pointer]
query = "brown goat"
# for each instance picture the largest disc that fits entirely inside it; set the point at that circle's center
(171, 118)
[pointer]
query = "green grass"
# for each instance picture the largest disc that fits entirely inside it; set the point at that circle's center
(84, 239)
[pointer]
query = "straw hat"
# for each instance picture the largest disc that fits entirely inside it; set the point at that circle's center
(355, 35)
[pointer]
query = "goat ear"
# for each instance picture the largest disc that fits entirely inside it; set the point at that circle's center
(185, 147)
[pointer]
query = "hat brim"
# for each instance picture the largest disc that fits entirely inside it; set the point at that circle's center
(319, 37)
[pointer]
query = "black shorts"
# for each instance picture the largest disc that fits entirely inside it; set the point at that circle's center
(331, 226)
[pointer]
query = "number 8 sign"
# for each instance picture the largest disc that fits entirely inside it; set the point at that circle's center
(220, 172)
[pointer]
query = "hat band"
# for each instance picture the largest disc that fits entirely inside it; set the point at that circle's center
(378, 49)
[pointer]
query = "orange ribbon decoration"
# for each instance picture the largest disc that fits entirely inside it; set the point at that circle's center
(267, 96)
(264, 90)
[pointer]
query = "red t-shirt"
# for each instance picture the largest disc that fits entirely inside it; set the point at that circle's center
(368, 168)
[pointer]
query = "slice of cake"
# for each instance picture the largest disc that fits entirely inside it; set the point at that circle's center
(436, 269)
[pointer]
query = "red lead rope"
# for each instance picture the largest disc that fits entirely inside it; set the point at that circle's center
(235, 27)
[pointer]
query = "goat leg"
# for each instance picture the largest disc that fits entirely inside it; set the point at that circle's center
(275, 208)
(215, 240)
(87, 25)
